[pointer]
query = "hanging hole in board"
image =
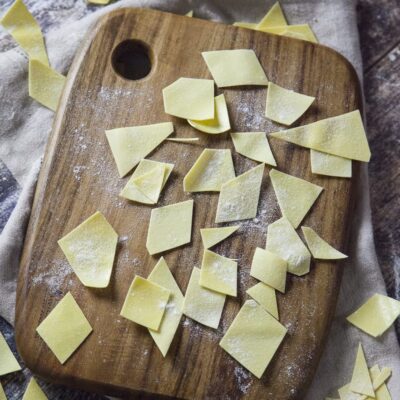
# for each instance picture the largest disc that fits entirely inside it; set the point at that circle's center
(131, 59)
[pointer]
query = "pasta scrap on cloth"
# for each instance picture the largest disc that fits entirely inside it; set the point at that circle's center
(90, 250)
(361, 379)
(145, 303)
(239, 197)
(253, 145)
(376, 315)
(162, 276)
(201, 304)
(170, 227)
(45, 84)
(220, 123)
(343, 136)
(302, 31)
(212, 236)
(65, 328)
(265, 296)
(190, 98)
(286, 106)
(235, 67)
(34, 392)
(253, 338)
(24, 28)
(8, 362)
(330, 165)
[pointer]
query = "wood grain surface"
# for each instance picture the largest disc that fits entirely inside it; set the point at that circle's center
(79, 177)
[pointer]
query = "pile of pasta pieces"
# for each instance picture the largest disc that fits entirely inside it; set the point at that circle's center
(156, 302)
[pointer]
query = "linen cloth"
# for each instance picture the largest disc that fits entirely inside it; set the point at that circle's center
(25, 126)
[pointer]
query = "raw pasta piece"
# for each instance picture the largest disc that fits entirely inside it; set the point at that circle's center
(145, 303)
(65, 328)
(132, 144)
(45, 84)
(173, 311)
(201, 304)
(2, 394)
(90, 250)
(24, 28)
(8, 362)
(343, 136)
(274, 17)
(148, 185)
(170, 227)
(269, 268)
(183, 140)
(319, 248)
(133, 192)
(253, 337)
(265, 296)
(346, 394)
(286, 106)
(253, 145)
(189, 14)
(98, 1)
(235, 68)
(295, 196)
(218, 273)
(190, 99)
(220, 123)
(376, 315)
(212, 236)
(248, 25)
(303, 32)
(283, 240)
(361, 379)
(211, 170)
(330, 165)
(378, 381)
(34, 392)
(239, 197)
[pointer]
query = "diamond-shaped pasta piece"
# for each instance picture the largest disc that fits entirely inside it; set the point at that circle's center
(90, 250)
(145, 303)
(170, 227)
(65, 328)
(218, 273)
(253, 337)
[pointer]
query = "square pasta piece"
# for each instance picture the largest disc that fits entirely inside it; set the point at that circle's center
(253, 337)
(65, 328)
(145, 303)
(170, 227)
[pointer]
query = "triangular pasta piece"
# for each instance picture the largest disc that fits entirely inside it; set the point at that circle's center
(190, 98)
(248, 25)
(253, 145)
(132, 192)
(343, 136)
(253, 337)
(189, 14)
(218, 273)
(283, 240)
(90, 250)
(173, 311)
(235, 68)
(211, 170)
(239, 197)
(8, 362)
(132, 144)
(330, 165)
(265, 296)
(212, 236)
(319, 248)
(45, 84)
(274, 17)
(145, 303)
(376, 315)
(201, 304)
(24, 28)
(2, 393)
(378, 382)
(303, 32)
(346, 394)
(34, 392)
(65, 328)
(286, 106)
(295, 196)
(361, 379)
(220, 123)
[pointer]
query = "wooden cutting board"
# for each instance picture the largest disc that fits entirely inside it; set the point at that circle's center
(79, 176)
